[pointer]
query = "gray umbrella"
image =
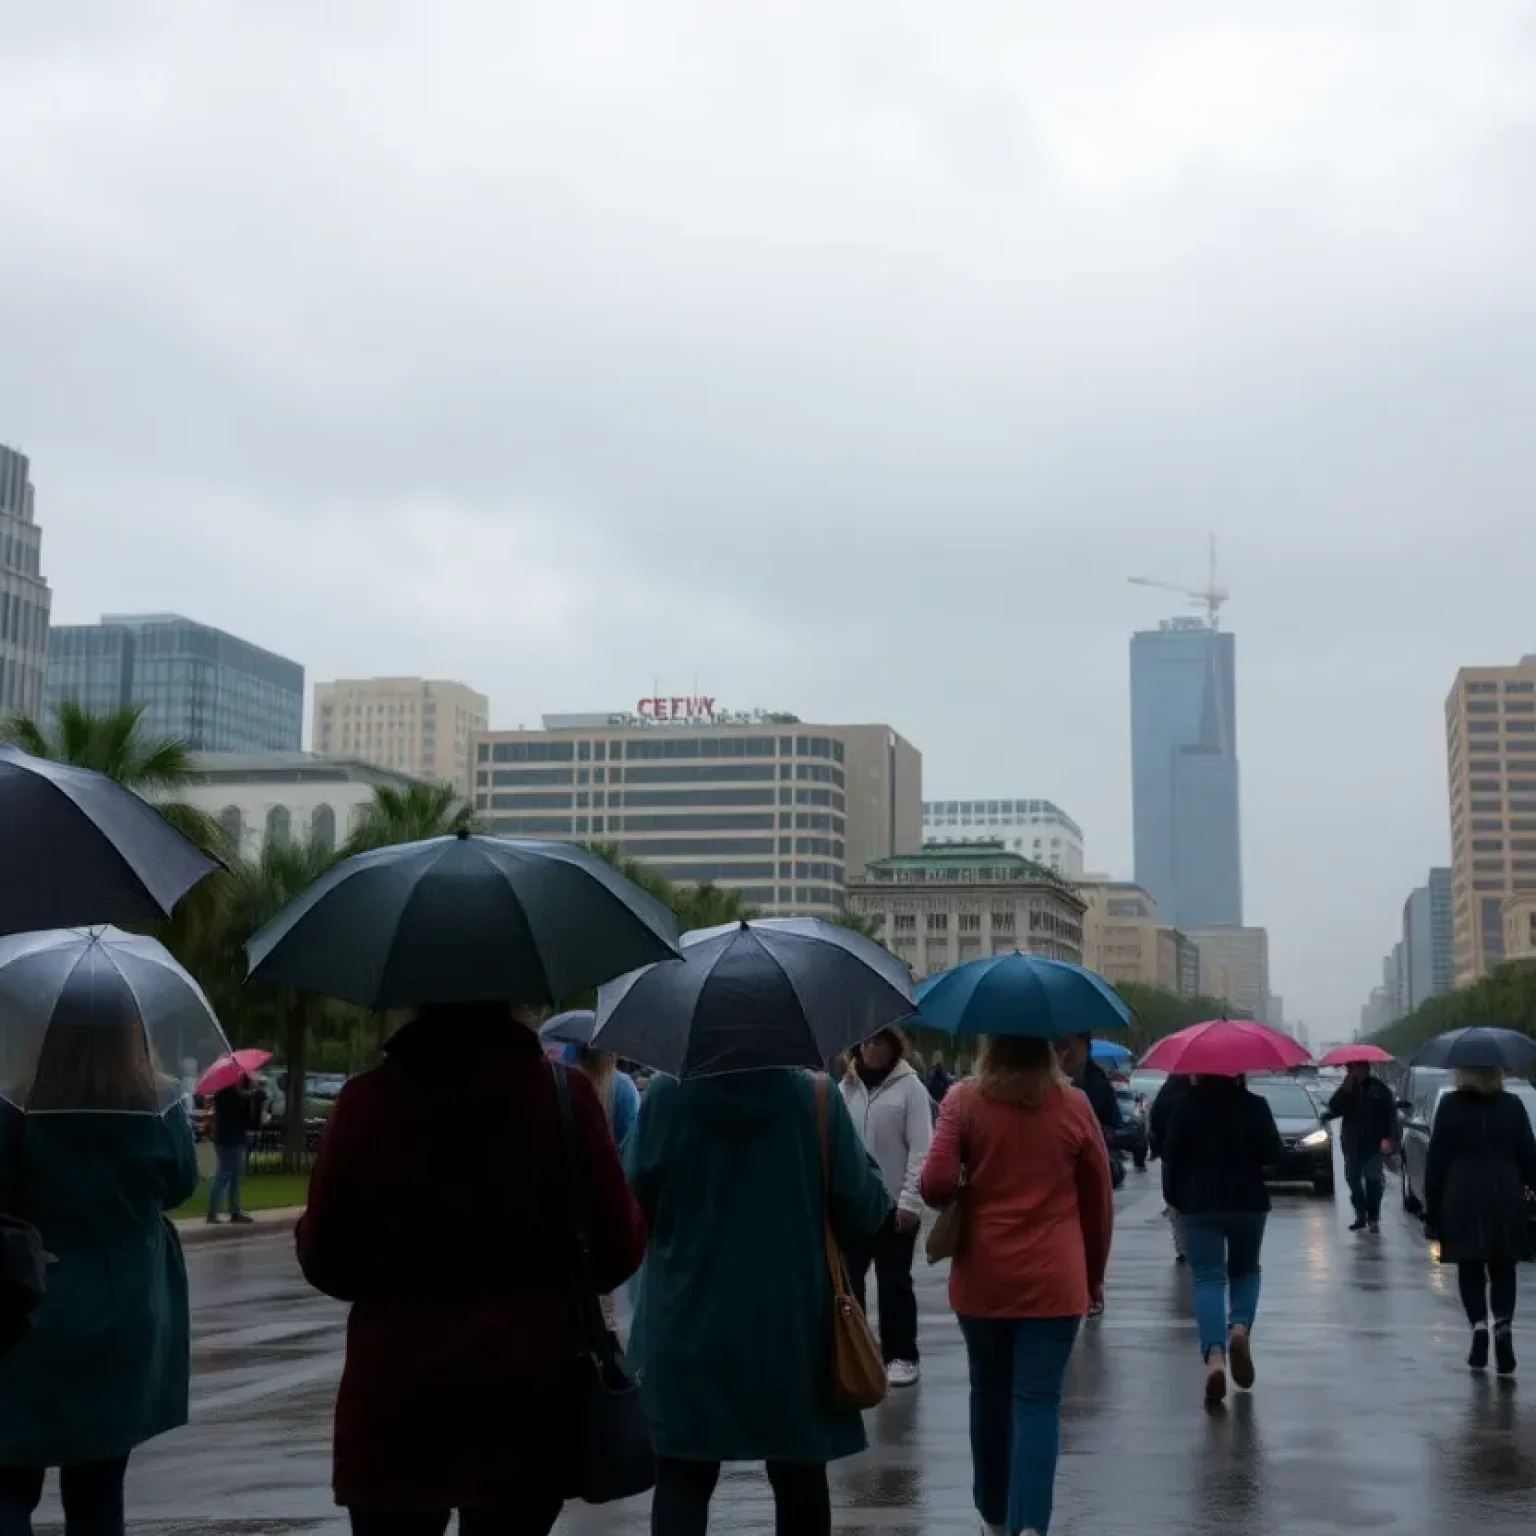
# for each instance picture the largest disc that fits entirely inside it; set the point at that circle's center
(463, 919)
(79, 848)
(95, 1018)
(774, 992)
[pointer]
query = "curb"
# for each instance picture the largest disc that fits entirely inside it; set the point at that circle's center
(194, 1231)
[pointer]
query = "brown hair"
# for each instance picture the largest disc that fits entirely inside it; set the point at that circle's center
(894, 1038)
(600, 1066)
(95, 1055)
(1017, 1070)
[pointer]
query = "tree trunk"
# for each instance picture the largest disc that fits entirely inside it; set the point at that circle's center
(295, 1130)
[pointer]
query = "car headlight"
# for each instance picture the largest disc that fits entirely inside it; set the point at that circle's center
(1315, 1138)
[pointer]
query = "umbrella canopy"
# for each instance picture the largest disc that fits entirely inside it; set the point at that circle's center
(573, 1027)
(1109, 1050)
(1480, 1046)
(99, 1019)
(773, 992)
(1348, 1055)
(79, 848)
(463, 919)
(1016, 994)
(228, 1070)
(1226, 1048)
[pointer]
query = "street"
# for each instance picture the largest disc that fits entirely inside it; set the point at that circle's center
(1364, 1416)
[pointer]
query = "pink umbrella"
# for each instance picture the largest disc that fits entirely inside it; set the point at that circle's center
(1347, 1055)
(228, 1070)
(1226, 1048)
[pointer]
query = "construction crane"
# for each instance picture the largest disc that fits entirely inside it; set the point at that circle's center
(1210, 597)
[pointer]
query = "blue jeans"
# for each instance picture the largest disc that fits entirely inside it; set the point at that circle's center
(1362, 1172)
(231, 1164)
(1223, 1249)
(1017, 1368)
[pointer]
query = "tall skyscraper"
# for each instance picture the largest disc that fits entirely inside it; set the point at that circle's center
(197, 685)
(1184, 799)
(409, 724)
(1427, 940)
(24, 596)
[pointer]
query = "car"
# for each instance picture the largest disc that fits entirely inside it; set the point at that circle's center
(1423, 1092)
(1308, 1155)
(1132, 1137)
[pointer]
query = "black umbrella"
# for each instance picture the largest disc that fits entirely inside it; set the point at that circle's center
(1480, 1046)
(78, 848)
(463, 919)
(775, 992)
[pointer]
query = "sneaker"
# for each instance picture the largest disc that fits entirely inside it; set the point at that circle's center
(1215, 1377)
(1240, 1353)
(1358, 1224)
(1504, 1348)
(212, 1218)
(1373, 1227)
(903, 1373)
(240, 1219)
(1477, 1356)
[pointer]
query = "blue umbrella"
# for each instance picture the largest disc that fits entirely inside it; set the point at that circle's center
(1481, 1046)
(1109, 1050)
(1016, 994)
(573, 1027)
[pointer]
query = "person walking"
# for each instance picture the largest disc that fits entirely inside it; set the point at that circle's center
(732, 1338)
(1366, 1110)
(1168, 1099)
(1039, 1215)
(1481, 1162)
(232, 1116)
(1220, 1139)
(940, 1079)
(94, 1164)
(440, 1208)
(893, 1111)
(616, 1090)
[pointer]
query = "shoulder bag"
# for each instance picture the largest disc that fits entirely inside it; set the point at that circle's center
(615, 1459)
(946, 1237)
(858, 1371)
(23, 1259)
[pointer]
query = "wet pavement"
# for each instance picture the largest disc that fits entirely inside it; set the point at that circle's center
(1364, 1417)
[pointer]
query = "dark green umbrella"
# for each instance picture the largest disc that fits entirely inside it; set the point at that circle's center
(463, 919)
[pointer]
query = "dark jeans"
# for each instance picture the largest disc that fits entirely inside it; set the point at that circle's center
(1363, 1174)
(534, 1517)
(226, 1178)
(1017, 1368)
(891, 1252)
(92, 1495)
(1223, 1249)
(802, 1502)
(1476, 1281)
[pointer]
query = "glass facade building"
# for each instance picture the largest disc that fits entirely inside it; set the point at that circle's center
(1184, 780)
(196, 684)
(24, 596)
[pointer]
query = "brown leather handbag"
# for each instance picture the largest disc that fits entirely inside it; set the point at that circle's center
(858, 1372)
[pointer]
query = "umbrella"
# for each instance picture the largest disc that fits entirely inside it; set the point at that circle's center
(1017, 994)
(228, 1070)
(99, 1019)
(463, 919)
(1348, 1055)
(80, 848)
(1481, 1046)
(573, 1027)
(1226, 1048)
(773, 992)
(1109, 1050)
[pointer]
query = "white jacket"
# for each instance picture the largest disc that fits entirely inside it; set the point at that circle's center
(896, 1124)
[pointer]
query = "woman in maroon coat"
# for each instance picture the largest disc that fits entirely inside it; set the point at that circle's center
(438, 1209)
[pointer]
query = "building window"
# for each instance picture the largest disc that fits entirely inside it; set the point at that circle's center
(938, 922)
(904, 922)
(279, 826)
(1002, 922)
(322, 827)
(970, 922)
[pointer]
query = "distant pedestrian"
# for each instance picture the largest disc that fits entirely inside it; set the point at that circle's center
(232, 1116)
(893, 1111)
(1168, 1099)
(732, 1338)
(940, 1079)
(1220, 1139)
(1038, 1217)
(1366, 1110)
(616, 1090)
(1481, 1162)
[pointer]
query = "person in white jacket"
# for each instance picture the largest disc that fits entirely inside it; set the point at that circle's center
(893, 1110)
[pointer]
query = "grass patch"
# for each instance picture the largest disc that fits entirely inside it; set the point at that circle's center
(258, 1192)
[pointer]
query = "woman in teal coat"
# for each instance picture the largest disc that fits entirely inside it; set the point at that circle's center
(106, 1365)
(732, 1339)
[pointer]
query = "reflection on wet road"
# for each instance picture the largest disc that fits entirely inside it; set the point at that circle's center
(1364, 1417)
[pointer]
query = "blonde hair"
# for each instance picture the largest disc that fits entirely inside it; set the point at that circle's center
(1018, 1071)
(600, 1066)
(1480, 1079)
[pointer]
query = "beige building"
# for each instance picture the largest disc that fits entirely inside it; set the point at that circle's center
(1520, 927)
(1490, 740)
(949, 903)
(761, 803)
(411, 725)
(1234, 966)
(1125, 940)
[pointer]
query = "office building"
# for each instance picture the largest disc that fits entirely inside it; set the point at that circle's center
(782, 812)
(952, 902)
(411, 725)
(1184, 780)
(1234, 967)
(1124, 938)
(1490, 736)
(196, 684)
(1520, 927)
(1430, 967)
(1035, 828)
(25, 600)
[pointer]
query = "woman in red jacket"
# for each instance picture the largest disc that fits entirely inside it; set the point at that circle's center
(1039, 1213)
(438, 1209)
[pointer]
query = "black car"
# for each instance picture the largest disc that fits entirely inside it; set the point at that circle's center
(1423, 1089)
(1308, 1157)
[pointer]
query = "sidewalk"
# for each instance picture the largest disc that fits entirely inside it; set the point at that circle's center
(195, 1229)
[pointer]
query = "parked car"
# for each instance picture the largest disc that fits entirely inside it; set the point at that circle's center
(1308, 1155)
(1423, 1091)
(1132, 1136)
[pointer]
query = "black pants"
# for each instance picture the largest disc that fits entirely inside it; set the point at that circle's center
(1477, 1281)
(536, 1517)
(802, 1502)
(891, 1252)
(92, 1495)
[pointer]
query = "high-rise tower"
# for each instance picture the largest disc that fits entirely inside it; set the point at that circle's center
(25, 600)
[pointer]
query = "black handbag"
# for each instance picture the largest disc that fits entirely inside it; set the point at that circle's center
(615, 1458)
(23, 1259)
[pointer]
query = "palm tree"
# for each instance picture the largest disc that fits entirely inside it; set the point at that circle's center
(410, 815)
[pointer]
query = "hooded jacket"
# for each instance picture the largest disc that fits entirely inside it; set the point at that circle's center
(895, 1121)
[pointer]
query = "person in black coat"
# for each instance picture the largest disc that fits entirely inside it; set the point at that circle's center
(1481, 1162)
(1367, 1114)
(1168, 1099)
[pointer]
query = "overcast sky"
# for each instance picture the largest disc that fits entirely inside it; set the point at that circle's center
(844, 358)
